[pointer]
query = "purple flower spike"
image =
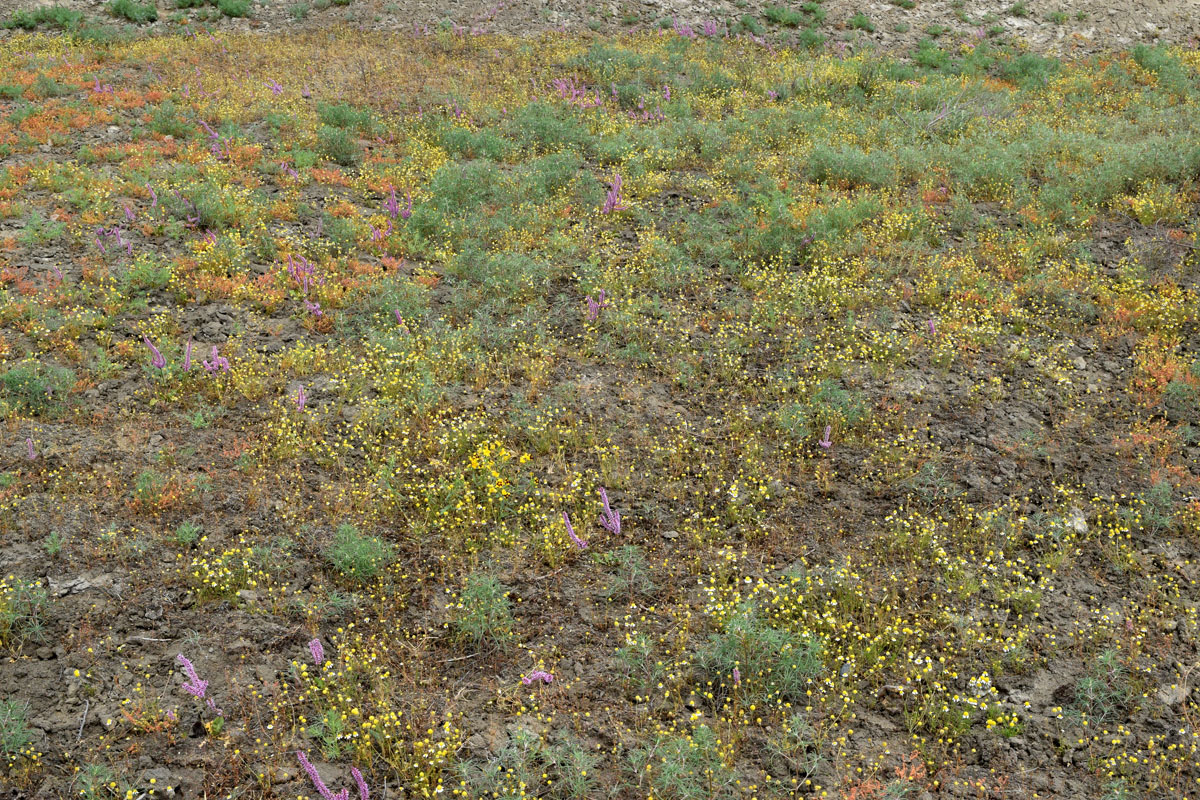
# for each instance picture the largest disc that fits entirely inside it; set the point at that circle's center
(609, 520)
(932, 328)
(195, 687)
(187, 357)
(737, 677)
(153, 196)
(301, 399)
(391, 206)
(363, 792)
(594, 306)
(217, 362)
(128, 213)
(613, 201)
(315, 777)
(274, 86)
(406, 212)
(318, 652)
(580, 543)
(537, 675)
(314, 308)
(158, 361)
(825, 441)
(29, 447)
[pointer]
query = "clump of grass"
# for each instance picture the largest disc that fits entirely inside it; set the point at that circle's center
(358, 557)
(34, 387)
(482, 613)
(234, 8)
(338, 145)
(862, 22)
(21, 603)
(133, 11)
(781, 15)
(59, 17)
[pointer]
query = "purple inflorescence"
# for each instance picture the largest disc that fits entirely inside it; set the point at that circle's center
(580, 543)
(196, 687)
(594, 306)
(314, 647)
(157, 361)
(609, 519)
(612, 202)
(537, 675)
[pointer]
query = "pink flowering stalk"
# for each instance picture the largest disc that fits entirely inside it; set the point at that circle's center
(609, 519)
(32, 454)
(319, 784)
(274, 86)
(537, 675)
(314, 308)
(301, 399)
(825, 441)
(157, 361)
(323, 790)
(737, 677)
(217, 362)
(580, 543)
(391, 206)
(318, 652)
(187, 357)
(196, 687)
(406, 212)
(932, 328)
(594, 306)
(613, 201)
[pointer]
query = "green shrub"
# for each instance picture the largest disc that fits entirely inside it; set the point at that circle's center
(773, 664)
(482, 612)
(682, 767)
(337, 145)
(166, 121)
(1029, 70)
(344, 115)
(133, 11)
(15, 733)
(546, 127)
(783, 16)
(862, 22)
(356, 556)
(21, 603)
(51, 16)
(33, 387)
(234, 8)
(851, 166)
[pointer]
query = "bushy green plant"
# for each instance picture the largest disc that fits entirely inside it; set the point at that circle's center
(686, 767)
(781, 15)
(862, 22)
(35, 387)
(482, 612)
(234, 8)
(51, 16)
(852, 166)
(15, 733)
(133, 11)
(358, 557)
(21, 603)
(338, 145)
(773, 664)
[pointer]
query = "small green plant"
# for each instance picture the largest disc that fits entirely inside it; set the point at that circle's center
(188, 533)
(15, 733)
(686, 767)
(780, 15)
(35, 388)
(862, 22)
(53, 544)
(632, 575)
(329, 730)
(133, 11)
(908, 5)
(234, 8)
(337, 145)
(21, 603)
(40, 230)
(298, 11)
(1019, 9)
(1101, 695)
(50, 16)
(1059, 17)
(358, 557)
(482, 612)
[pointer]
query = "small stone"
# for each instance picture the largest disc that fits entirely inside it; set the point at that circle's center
(1171, 695)
(247, 596)
(1079, 362)
(670, 534)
